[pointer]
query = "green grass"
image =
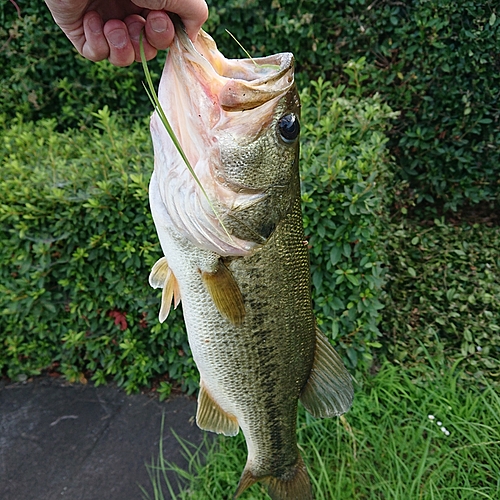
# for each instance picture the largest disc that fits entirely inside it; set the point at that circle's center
(386, 447)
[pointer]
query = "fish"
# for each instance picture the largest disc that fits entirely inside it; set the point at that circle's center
(235, 255)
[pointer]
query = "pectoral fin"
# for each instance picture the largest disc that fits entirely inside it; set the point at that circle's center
(211, 417)
(328, 391)
(161, 276)
(225, 293)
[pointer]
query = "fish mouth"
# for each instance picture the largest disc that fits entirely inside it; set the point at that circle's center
(240, 84)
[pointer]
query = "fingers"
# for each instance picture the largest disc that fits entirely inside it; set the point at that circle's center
(159, 30)
(118, 40)
(110, 40)
(95, 46)
(135, 25)
(121, 50)
(192, 12)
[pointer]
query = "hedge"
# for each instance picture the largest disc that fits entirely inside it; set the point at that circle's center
(77, 243)
(436, 61)
(347, 187)
(443, 296)
(42, 75)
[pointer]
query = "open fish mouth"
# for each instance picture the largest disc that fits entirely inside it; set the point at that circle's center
(239, 84)
(217, 107)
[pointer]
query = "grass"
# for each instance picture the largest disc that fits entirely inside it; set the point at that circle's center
(386, 447)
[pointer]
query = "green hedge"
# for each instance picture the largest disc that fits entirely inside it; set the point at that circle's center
(436, 61)
(77, 243)
(42, 75)
(346, 191)
(443, 296)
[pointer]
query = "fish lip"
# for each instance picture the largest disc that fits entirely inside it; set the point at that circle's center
(237, 90)
(286, 58)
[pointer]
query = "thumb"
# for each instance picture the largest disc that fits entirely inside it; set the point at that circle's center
(192, 12)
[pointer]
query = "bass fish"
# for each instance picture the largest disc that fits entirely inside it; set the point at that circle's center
(234, 253)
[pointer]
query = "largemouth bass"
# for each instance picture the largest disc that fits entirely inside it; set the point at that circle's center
(242, 273)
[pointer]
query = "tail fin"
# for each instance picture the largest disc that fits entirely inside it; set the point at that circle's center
(293, 484)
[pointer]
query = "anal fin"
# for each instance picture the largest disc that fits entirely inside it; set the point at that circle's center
(328, 391)
(211, 417)
(161, 276)
(225, 293)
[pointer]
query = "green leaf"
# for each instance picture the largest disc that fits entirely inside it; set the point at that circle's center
(353, 279)
(335, 254)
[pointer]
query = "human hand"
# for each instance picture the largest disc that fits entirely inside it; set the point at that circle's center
(110, 29)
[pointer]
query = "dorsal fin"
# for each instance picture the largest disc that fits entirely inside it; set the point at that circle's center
(328, 392)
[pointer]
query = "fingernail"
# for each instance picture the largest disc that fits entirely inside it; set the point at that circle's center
(117, 38)
(134, 30)
(159, 24)
(95, 25)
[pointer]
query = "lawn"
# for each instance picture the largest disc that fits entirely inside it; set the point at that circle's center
(404, 438)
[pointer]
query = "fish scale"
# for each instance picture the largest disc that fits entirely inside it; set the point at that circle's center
(243, 365)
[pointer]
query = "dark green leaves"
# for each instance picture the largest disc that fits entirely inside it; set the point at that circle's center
(444, 295)
(345, 171)
(76, 246)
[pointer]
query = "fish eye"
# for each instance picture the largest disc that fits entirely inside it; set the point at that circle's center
(289, 127)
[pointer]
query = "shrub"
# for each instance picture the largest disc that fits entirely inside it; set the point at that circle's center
(436, 61)
(42, 75)
(77, 243)
(443, 299)
(345, 179)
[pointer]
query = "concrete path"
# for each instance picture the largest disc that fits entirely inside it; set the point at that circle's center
(75, 442)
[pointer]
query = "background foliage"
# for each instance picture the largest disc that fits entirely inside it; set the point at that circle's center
(76, 246)
(436, 61)
(443, 300)
(76, 235)
(345, 183)
(77, 243)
